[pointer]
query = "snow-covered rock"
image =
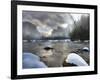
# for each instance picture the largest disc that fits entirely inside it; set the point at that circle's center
(28, 63)
(32, 61)
(85, 49)
(74, 58)
(27, 55)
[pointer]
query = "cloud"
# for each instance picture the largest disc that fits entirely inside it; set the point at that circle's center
(45, 31)
(49, 24)
(65, 25)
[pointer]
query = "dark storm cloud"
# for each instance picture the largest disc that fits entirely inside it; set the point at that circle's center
(47, 24)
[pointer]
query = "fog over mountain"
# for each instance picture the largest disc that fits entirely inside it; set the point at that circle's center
(38, 24)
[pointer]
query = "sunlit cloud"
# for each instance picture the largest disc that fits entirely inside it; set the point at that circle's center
(45, 31)
(64, 26)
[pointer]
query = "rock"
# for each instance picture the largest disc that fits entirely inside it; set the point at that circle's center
(27, 55)
(86, 49)
(74, 58)
(32, 61)
(28, 63)
(48, 48)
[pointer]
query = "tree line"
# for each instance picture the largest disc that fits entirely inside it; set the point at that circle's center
(81, 29)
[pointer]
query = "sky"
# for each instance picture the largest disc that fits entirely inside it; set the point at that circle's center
(76, 17)
(51, 23)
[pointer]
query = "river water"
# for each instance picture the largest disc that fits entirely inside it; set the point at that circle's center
(56, 56)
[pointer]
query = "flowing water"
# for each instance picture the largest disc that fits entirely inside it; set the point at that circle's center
(54, 57)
